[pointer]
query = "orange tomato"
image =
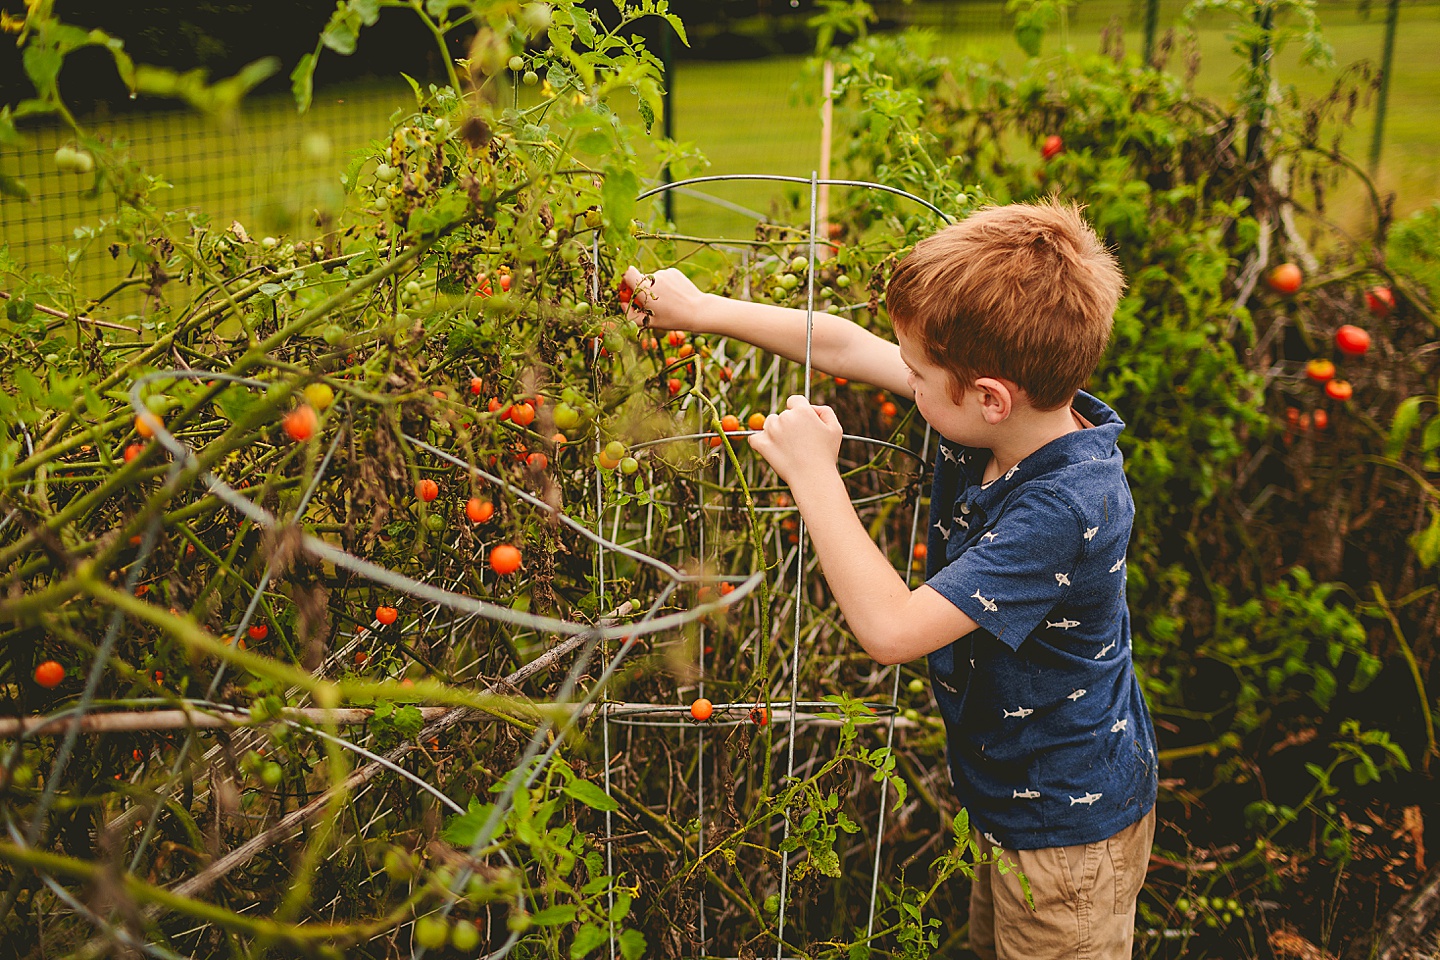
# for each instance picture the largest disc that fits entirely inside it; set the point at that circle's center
(1320, 370)
(702, 709)
(478, 511)
(522, 414)
(729, 422)
(888, 409)
(505, 559)
(386, 615)
(49, 674)
(1339, 390)
(920, 551)
(756, 421)
(1285, 278)
(301, 422)
(427, 490)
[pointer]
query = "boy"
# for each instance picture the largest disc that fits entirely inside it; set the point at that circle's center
(1000, 319)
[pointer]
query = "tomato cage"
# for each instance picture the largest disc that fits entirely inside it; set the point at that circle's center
(748, 723)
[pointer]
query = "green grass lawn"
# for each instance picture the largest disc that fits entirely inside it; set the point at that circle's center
(276, 172)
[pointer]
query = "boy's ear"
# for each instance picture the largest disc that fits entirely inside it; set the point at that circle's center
(997, 399)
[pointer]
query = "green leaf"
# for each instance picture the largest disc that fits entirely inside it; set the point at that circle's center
(591, 795)
(450, 208)
(462, 829)
(632, 945)
(554, 916)
(13, 187)
(1426, 543)
(1407, 415)
(588, 938)
(302, 82)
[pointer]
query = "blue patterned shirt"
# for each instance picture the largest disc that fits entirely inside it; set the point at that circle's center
(1048, 738)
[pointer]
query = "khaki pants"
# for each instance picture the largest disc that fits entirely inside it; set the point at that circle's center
(1084, 899)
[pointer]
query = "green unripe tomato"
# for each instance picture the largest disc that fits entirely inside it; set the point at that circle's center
(413, 288)
(615, 450)
(530, 78)
(442, 126)
(435, 523)
(465, 936)
(386, 173)
(912, 715)
(517, 63)
(566, 417)
(789, 281)
(916, 686)
(1182, 905)
(582, 308)
(842, 281)
(629, 465)
(22, 776)
(381, 203)
(397, 864)
(1217, 903)
(272, 773)
(536, 17)
(431, 932)
(799, 264)
(771, 906)
(269, 243)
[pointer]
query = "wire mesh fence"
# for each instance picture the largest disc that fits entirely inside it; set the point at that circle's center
(271, 169)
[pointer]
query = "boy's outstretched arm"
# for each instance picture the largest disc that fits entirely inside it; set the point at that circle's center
(892, 622)
(838, 346)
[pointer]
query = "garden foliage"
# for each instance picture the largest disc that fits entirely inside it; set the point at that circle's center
(463, 312)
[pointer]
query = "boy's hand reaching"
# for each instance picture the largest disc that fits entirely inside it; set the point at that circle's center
(802, 440)
(667, 297)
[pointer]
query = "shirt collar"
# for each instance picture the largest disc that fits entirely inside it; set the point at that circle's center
(1098, 442)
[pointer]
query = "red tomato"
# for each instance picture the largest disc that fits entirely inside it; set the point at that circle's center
(675, 385)
(479, 510)
(702, 709)
(301, 422)
(1339, 390)
(493, 405)
(258, 632)
(1321, 419)
(888, 409)
(1380, 301)
(505, 559)
(504, 283)
(427, 490)
(134, 450)
(476, 385)
(537, 461)
(841, 381)
(759, 716)
(1285, 278)
(756, 421)
(920, 551)
(386, 615)
(1320, 370)
(726, 588)
(675, 337)
(1053, 145)
(360, 657)
(522, 414)
(49, 674)
(1352, 339)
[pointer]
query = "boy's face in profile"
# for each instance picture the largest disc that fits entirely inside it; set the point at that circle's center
(961, 422)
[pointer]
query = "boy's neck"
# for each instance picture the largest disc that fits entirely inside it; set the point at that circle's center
(1033, 430)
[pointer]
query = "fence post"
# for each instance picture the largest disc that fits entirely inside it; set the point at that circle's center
(1152, 19)
(1387, 59)
(667, 106)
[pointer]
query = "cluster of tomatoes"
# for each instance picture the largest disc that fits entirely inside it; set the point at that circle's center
(702, 710)
(1350, 341)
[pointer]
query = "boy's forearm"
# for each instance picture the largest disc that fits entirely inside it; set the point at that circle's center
(838, 346)
(866, 587)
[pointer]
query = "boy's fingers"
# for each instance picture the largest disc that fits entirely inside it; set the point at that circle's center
(795, 401)
(632, 277)
(827, 415)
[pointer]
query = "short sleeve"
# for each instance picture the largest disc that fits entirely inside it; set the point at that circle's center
(1014, 574)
